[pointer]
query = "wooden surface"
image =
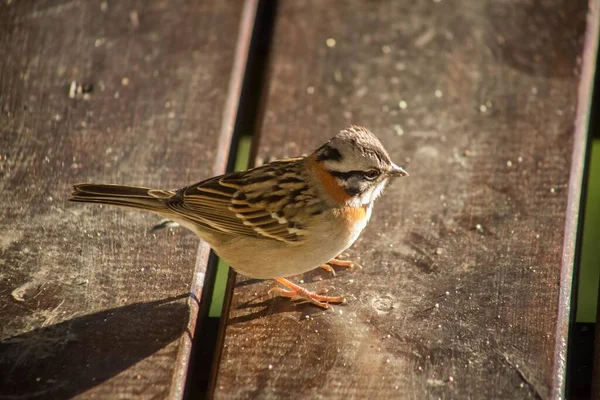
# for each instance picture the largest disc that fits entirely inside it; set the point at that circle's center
(459, 294)
(93, 304)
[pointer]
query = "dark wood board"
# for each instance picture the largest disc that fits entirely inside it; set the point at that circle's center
(459, 294)
(92, 303)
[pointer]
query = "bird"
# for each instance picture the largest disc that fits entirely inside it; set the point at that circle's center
(280, 219)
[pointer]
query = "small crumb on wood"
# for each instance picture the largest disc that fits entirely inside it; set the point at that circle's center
(438, 94)
(402, 104)
(330, 42)
(134, 18)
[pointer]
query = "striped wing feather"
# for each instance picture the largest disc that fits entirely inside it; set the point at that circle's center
(251, 203)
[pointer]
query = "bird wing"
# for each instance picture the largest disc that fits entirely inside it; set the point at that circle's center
(260, 202)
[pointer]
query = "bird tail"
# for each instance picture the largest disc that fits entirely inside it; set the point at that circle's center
(153, 200)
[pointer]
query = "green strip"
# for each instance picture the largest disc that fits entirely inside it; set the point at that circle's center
(589, 272)
(216, 304)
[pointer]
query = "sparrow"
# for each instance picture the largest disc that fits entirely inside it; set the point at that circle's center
(280, 219)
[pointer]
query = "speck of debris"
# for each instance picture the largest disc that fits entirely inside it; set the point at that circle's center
(447, 293)
(171, 115)
(450, 379)
(386, 49)
(78, 90)
(104, 6)
(134, 18)
(116, 96)
(479, 227)
(125, 81)
(270, 366)
(438, 94)
(520, 159)
(402, 104)
(552, 190)
(439, 251)
(437, 305)
(467, 153)
(330, 42)
(483, 108)
(400, 66)
(509, 163)
(399, 130)
(310, 90)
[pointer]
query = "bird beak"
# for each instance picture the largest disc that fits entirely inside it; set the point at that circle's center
(396, 171)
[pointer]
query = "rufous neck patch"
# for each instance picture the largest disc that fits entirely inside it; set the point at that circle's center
(329, 183)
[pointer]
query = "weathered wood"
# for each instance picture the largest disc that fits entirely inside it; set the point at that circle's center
(92, 303)
(459, 294)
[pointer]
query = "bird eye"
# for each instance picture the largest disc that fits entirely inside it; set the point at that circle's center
(371, 174)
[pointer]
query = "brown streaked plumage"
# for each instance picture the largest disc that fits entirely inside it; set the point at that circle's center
(281, 219)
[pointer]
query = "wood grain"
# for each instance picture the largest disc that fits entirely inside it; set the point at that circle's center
(92, 303)
(459, 294)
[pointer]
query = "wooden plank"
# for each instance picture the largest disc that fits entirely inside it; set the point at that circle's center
(92, 303)
(459, 294)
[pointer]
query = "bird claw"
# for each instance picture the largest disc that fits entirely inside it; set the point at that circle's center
(295, 292)
(339, 263)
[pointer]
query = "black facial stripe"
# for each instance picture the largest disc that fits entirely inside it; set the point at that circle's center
(347, 175)
(328, 153)
(353, 191)
(355, 183)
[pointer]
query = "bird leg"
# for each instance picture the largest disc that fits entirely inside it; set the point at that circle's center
(338, 263)
(294, 291)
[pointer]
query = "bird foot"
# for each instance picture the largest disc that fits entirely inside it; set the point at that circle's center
(339, 263)
(295, 292)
